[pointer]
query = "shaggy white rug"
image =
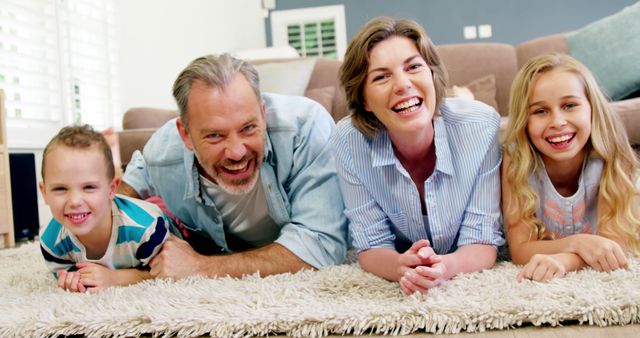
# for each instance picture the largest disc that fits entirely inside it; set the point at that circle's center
(336, 300)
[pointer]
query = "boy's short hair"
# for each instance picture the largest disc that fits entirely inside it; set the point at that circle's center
(81, 137)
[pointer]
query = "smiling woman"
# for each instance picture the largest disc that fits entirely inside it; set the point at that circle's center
(425, 149)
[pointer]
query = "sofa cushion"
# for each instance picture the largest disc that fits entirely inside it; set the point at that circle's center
(466, 62)
(323, 95)
(629, 112)
(484, 89)
(609, 48)
(289, 78)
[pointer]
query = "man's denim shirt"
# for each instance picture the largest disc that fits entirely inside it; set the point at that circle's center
(298, 175)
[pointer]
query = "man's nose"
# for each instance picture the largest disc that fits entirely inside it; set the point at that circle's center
(236, 150)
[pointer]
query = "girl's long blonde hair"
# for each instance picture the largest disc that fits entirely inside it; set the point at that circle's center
(620, 216)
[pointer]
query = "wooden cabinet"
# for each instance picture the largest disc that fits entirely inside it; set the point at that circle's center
(7, 238)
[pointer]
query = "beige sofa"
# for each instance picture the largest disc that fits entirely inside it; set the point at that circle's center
(487, 69)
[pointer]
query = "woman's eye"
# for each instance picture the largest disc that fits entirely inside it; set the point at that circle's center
(570, 106)
(378, 77)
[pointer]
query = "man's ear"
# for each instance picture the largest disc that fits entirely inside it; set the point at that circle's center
(184, 134)
(263, 111)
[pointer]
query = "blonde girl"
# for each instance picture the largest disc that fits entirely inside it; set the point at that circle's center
(568, 175)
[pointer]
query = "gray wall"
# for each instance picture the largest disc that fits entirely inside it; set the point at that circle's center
(513, 21)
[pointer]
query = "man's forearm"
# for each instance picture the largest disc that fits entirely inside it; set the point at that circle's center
(268, 260)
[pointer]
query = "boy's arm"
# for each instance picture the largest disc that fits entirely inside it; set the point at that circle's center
(96, 277)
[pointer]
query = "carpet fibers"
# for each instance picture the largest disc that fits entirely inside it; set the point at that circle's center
(336, 300)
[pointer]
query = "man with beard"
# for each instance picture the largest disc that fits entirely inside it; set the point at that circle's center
(249, 177)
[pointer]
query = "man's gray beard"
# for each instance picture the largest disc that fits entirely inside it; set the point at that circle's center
(233, 189)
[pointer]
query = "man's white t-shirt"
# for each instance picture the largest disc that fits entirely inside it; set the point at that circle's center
(244, 216)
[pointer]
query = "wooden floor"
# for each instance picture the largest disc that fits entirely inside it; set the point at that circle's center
(569, 331)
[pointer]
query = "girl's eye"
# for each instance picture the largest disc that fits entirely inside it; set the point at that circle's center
(537, 112)
(570, 105)
(415, 66)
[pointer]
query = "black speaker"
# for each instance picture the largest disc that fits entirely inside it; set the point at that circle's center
(24, 195)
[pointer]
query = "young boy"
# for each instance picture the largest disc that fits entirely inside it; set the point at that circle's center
(96, 238)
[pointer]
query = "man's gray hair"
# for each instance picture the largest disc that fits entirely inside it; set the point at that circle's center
(214, 70)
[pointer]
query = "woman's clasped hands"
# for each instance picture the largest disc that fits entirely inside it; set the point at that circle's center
(420, 268)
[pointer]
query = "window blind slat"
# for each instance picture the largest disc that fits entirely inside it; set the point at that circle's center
(58, 61)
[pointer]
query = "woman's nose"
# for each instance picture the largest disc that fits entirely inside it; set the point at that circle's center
(401, 82)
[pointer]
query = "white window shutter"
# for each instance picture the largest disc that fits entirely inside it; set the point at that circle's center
(313, 31)
(57, 66)
(29, 60)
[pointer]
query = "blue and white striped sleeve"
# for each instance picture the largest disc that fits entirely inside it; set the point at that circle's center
(481, 221)
(368, 223)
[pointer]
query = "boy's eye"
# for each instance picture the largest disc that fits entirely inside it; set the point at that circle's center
(58, 189)
(90, 187)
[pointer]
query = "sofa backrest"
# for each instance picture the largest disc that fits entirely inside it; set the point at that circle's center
(145, 117)
(472, 61)
(548, 44)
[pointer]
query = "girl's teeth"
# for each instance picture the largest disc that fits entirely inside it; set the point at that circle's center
(560, 138)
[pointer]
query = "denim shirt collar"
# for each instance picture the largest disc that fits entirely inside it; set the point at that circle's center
(382, 153)
(192, 184)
